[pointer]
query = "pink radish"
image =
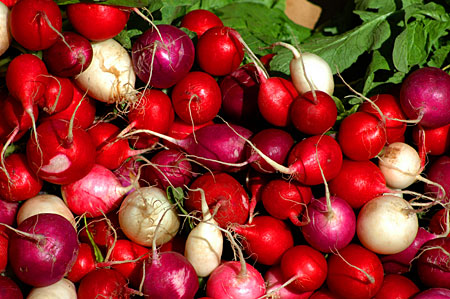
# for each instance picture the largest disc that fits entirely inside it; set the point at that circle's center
(275, 289)
(9, 289)
(432, 263)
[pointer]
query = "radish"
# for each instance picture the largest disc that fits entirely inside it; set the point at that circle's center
(180, 129)
(69, 152)
(218, 51)
(63, 289)
(309, 70)
(313, 113)
(433, 293)
(266, 239)
(5, 32)
(9, 289)
(204, 243)
(197, 98)
(323, 293)
(275, 286)
(84, 264)
(396, 286)
(142, 210)
(387, 224)
(103, 230)
(435, 141)
(57, 96)
(432, 263)
(110, 77)
(355, 272)
(361, 136)
(43, 249)
(330, 224)
(200, 20)
(438, 172)
(44, 203)
(97, 22)
(68, 56)
(35, 24)
(225, 196)
(8, 211)
(162, 56)
(305, 266)
(128, 171)
(3, 250)
(424, 95)
(285, 200)
(254, 181)
(358, 182)
(107, 283)
(438, 223)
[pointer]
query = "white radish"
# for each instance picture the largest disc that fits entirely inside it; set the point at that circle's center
(5, 33)
(44, 203)
(140, 213)
(387, 224)
(110, 77)
(204, 244)
(63, 289)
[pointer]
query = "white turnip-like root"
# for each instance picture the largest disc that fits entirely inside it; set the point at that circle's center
(63, 289)
(5, 33)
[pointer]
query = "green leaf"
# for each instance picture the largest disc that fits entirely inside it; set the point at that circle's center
(439, 56)
(125, 36)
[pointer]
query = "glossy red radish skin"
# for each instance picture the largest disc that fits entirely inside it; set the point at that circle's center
(84, 264)
(3, 249)
(397, 286)
(200, 20)
(274, 280)
(432, 263)
(15, 115)
(435, 141)
(103, 282)
(438, 172)
(57, 96)
(180, 129)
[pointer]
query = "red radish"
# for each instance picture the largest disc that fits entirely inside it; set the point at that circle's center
(323, 293)
(313, 114)
(266, 239)
(200, 20)
(97, 22)
(274, 143)
(274, 281)
(436, 141)
(70, 56)
(9, 289)
(103, 230)
(286, 200)
(355, 272)
(223, 193)
(3, 250)
(396, 286)
(361, 136)
(438, 172)
(15, 115)
(218, 51)
(254, 181)
(305, 266)
(393, 113)
(43, 249)
(425, 95)
(432, 263)
(197, 98)
(331, 225)
(35, 24)
(438, 223)
(179, 129)
(358, 182)
(162, 56)
(107, 283)
(84, 264)
(57, 96)
(433, 293)
(22, 182)
(68, 156)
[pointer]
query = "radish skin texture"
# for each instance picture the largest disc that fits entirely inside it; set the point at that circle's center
(387, 224)
(400, 164)
(5, 33)
(9, 289)
(110, 77)
(44, 203)
(63, 289)
(140, 213)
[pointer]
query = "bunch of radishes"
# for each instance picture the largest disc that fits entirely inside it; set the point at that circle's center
(176, 170)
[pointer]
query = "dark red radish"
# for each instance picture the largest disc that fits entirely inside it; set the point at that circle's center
(162, 56)
(200, 20)
(438, 223)
(274, 280)
(9, 289)
(433, 141)
(8, 212)
(396, 286)
(433, 293)
(324, 293)
(180, 129)
(425, 94)
(97, 22)
(235, 279)
(438, 172)
(354, 272)
(3, 249)
(361, 136)
(305, 266)
(57, 96)
(103, 230)
(128, 171)
(286, 199)
(168, 168)
(313, 115)
(393, 114)
(240, 95)
(274, 143)
(432, 263)
(330, 226)
(64, 153)
(358, 182)
(98, 192)
(103, 282)
(22, 183)
(84, 264)
(254, 182)
(69, 56)
(218, 51)
(35, 24)
(266, 239)
(196, 98)
(43, 249)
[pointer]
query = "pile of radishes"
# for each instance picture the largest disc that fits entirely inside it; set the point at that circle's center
(177, 170)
